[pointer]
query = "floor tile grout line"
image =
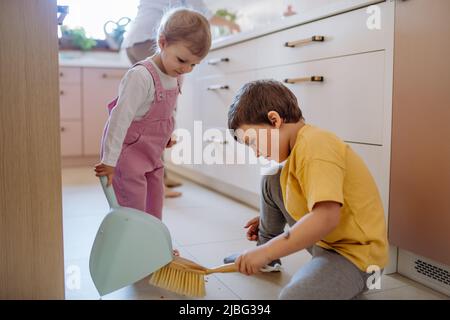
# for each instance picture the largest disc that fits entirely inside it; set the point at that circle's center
(226, 286)
(215, 276)
(234, 293)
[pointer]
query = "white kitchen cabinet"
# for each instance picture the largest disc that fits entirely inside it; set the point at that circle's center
(351, 101)
(354, 100)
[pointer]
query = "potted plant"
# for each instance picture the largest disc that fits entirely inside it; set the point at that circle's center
(75, 39)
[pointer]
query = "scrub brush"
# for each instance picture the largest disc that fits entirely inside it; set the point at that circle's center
(186, 277)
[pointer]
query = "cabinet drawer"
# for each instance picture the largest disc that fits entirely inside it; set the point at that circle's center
(70, 101)
(71, 138)
(349, 101)
(104, 74)
(235, 58)
(69, 75)
(343, 34)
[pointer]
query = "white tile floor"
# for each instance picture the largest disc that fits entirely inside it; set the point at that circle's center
(206, 226)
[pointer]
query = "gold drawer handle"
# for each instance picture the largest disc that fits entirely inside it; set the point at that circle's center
(293, 44)
(110, 76)
(218, 87)
(61, 93)
(216, 140)
(61, 74)
(304, 79)
(217, 61)
(63, 129)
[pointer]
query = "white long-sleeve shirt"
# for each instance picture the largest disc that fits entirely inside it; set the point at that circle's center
(150, 12)
(136, 94)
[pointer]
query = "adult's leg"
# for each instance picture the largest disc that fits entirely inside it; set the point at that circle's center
(140, 51)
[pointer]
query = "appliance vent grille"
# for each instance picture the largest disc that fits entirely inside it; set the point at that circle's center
(432, 272)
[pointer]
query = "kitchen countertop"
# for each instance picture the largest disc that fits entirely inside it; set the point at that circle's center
(292, 21)
(94, 59)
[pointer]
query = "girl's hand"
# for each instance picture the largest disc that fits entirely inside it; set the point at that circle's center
(171, 142)
(234, 27)
(253, 229)
(102, 169)
(251, 261)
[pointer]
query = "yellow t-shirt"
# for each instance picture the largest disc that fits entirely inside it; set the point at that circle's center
(321, 167)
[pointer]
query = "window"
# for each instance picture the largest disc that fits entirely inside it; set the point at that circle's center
(93, 14)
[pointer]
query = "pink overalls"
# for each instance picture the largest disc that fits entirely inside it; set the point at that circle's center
(138, 180)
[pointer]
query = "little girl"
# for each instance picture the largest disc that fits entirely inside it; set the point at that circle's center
(141, 119)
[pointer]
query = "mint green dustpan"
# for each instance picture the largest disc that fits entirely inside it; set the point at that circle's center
(129, 245)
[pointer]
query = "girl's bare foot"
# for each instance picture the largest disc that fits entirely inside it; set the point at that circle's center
(170, 183)
(170, 193)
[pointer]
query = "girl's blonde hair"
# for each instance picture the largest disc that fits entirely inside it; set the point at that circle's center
(188, 26)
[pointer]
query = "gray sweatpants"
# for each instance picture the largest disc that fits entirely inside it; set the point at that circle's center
(328, 275)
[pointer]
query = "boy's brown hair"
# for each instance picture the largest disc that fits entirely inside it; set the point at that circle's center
(255, 99)
(188, 26)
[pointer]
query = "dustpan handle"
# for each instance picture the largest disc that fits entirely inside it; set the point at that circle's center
(109, 193)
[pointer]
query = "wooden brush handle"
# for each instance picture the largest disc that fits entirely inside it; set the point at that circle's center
(229, 267)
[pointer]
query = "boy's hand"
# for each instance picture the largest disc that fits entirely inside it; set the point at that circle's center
(102, 169)
(253, 228)
(251, 261)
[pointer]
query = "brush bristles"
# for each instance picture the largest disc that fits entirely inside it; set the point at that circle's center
(186, 282)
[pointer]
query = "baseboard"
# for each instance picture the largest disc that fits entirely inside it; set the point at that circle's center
(392, 264)
(241, 195)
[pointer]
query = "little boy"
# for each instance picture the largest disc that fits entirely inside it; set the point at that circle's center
(324, 192)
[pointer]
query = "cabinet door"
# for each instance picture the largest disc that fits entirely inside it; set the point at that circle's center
(419, 219)
(70, 75)
(349, 101)
(70, 101)
(71, 138)
(100, 86)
